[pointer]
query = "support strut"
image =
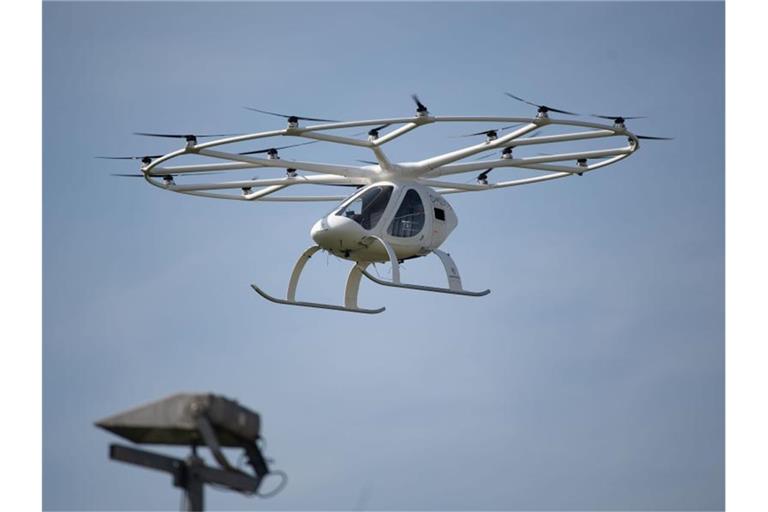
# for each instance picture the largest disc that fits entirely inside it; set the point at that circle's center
(451, 272)
(350, 292)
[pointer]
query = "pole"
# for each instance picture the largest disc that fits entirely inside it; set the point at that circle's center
(193, 484)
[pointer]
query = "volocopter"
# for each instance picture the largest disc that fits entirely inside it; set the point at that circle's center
(399, 211)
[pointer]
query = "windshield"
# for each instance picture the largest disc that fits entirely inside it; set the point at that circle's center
(367, 208)
(409, 219)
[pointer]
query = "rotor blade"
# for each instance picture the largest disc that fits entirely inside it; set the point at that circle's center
(286, 116)
(267, 150)
(318, 119)
(138, 175)
(485, 132)
(484, 174)
(482, 157)
(368, 162)
(518, 98)
(649, 137)
(537, 132)
(266, 112)
(185, 135)
(545, 107)
(375, 131)
(492, 130)
(128, 157)
(510, 126)
(618, 117)
(560, 111)
(419, 105)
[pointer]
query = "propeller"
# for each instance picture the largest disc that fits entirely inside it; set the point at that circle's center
(421, 109)
(374, 132)
(618, 119)
(368, 162)
(505, 154)
(129, 157)
(543, 109)
(139, 175)
(146, 159)
(167, 178)
(650, 137)
(190, 137)
(291, 118)
(493, 132)
(483, 176)
(275, 149)
(538, 132)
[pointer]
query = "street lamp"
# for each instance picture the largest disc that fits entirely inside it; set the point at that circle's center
(192, 420)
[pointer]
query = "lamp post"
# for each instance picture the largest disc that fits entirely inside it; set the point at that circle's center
(192, 420)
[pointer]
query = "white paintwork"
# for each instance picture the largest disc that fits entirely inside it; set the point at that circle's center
(347, 239)
(429, 177)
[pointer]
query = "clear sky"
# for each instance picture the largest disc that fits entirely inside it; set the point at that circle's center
(590, 378)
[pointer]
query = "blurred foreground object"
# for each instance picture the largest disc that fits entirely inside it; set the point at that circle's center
(193, 420)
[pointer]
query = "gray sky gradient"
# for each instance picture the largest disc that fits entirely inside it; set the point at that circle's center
(590, 378)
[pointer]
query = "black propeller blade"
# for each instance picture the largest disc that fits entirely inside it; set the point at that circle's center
(649, 137)
(493, 132)
(290, 118)
(188, 136)
(483, 176)
(139, 175)
(618, 119)
(275, 149)
(368, 162)
(543, 109)
(420, 107)
(505, 154)
(374, 132)
(168, 178)
(151, 157)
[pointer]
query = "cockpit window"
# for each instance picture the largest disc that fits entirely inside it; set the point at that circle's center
(367, 208)
(409, 219)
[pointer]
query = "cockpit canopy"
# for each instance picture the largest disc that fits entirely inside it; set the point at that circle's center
(369, 206)
(413, 218)
(409, 218)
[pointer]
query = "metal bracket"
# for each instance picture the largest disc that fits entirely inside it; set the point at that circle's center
(189, 475)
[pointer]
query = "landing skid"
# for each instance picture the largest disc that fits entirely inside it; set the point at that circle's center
(451, 272)
(359, 270)
(423, 288)
(350, 293)
(314, 304)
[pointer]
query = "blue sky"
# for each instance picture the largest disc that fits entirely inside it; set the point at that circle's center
(590, 378)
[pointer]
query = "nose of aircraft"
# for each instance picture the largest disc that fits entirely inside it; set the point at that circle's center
(337, 233)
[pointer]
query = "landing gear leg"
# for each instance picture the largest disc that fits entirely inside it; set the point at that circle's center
(451, 272)
(350, 293)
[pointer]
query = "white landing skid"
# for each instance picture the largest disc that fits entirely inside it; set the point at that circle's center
(359, 270)
(350, 293)
(451, 272)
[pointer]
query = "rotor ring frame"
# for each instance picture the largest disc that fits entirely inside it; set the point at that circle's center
(424, 171)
